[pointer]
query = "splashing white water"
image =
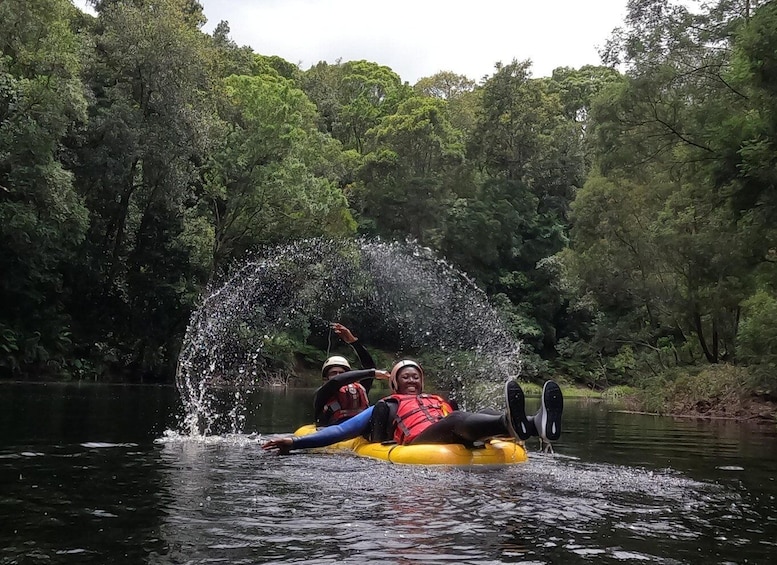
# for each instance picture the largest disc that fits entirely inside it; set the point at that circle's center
(402, 292)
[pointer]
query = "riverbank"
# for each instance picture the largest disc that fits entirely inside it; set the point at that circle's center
(722, 392)
(753, 410)
(679, 400)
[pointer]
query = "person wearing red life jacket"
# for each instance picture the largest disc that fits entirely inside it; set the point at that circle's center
(344, 392)
(409, 416)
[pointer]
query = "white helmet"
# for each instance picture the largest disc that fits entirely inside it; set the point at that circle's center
(401, 365)
(335, 361)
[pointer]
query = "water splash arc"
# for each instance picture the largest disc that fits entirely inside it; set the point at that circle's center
(398, 293)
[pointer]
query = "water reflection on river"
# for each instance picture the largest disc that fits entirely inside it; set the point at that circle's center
(89, 476)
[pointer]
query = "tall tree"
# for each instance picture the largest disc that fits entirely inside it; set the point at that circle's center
(42, 219)
(460, 93)
(577, 89)
(658, 133)
(264, 179)
(530, 156)
(749, 137)
(352, 97)
(410, 172)
(148, 131)
(227, 58)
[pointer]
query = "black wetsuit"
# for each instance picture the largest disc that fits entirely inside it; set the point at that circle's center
(457, 427)
(329, 389)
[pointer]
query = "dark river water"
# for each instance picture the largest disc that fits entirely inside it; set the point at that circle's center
(97, 474)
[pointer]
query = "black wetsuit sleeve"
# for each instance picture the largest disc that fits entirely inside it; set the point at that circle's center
(330, 388)
(367, 362)
(364, 356)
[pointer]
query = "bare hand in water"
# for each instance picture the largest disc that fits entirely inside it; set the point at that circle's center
(282, 445)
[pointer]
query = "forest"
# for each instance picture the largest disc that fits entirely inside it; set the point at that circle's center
(621, 216)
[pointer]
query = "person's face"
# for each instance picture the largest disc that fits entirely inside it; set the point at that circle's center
(334, 371)
(409, 381)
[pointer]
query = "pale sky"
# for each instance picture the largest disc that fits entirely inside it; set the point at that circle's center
(417, 38)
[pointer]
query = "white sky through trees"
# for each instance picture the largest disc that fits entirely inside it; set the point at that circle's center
(418, 38)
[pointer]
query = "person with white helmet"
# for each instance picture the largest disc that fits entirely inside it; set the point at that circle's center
(344, 392)
(409, 416)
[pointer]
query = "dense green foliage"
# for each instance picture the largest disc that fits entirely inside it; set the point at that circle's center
(670, 236)
(619, 218)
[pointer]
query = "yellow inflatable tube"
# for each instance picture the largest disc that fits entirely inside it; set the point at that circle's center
(497, 451)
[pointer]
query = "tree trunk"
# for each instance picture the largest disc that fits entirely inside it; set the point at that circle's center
(715, 340)
(700, 334)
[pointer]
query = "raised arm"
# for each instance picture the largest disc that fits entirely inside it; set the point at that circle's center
(365, 359)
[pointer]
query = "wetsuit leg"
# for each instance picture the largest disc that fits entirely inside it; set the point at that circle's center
(465, 428)
(381, 428)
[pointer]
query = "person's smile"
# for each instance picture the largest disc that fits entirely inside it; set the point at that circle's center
(409, 381)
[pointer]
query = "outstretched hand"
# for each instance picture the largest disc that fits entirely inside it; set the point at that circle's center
(282, 445)
(343, 332)
(382, 375)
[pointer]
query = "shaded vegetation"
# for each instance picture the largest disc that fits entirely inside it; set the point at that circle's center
(620, 216)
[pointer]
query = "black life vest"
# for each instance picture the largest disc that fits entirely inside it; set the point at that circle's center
(415, 413)
(349, 401)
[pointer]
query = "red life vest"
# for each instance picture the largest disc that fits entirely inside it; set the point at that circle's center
(349, 401)
(415, 413)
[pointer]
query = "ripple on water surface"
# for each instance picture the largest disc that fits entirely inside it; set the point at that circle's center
(254, 505)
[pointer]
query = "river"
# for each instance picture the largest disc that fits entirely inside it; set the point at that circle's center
(94, 473)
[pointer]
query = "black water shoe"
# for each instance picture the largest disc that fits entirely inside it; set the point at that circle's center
(548, 419)
(516, 411)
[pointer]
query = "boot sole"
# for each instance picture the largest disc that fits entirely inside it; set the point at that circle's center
(516, 411)
(550, 414)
